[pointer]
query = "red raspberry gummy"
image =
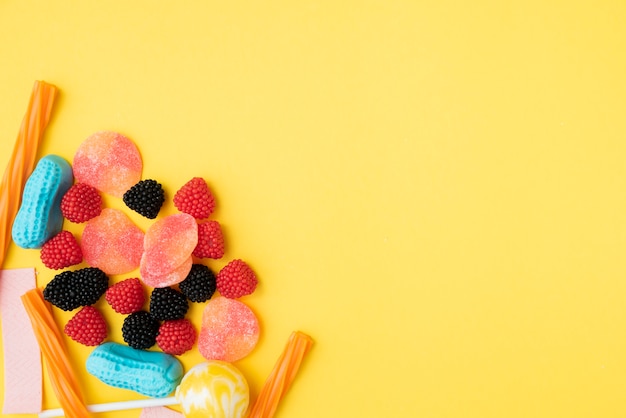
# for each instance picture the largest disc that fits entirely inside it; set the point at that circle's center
(176, 336)
(127, 296)
(236, 279)
(81, 203)
(61, 251)
(210, 241)
(195, 198)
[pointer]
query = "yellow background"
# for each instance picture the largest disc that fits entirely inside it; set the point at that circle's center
(434, 190)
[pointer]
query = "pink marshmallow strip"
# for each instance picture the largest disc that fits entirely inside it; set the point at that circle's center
(23, 378)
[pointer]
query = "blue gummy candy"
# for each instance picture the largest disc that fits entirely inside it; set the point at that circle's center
(150, 373)
(39, 217)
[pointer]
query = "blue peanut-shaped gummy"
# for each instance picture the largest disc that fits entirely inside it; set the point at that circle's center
(39, 217)
(150, 373)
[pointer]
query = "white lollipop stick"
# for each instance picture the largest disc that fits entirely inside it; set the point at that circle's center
(115, 406)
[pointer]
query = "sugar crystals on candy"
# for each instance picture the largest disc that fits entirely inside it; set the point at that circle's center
(112, 242)
(230, 330)
(168, 246)
(108, 161)
(169, 279)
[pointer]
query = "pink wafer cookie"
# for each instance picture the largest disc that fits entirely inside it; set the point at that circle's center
(112, 242)
(168, 243)
(230, 330)
(108, 161)
(159, 412)
(22, 359)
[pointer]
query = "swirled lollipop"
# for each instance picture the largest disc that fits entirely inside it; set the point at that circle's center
(214, 389)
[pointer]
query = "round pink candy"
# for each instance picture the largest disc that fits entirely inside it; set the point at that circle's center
(108, 161)
(112, 242)
(169, 279)
(229, 332)
(168, 243)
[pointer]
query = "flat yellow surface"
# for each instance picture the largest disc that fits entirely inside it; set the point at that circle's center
(435, 191)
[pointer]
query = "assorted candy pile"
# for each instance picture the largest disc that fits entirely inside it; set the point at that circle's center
(169, 256)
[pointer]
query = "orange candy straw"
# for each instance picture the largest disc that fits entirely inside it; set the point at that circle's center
(22, 160)
(281, 377)
(63, 378)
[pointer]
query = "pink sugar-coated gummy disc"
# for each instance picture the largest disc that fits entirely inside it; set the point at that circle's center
(229, 332)
(168, 243)
(175, 276)
(108, 161)
(112, 242)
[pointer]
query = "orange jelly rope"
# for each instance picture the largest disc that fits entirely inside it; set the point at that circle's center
(63, 378)
(281, 377)
(23, 158)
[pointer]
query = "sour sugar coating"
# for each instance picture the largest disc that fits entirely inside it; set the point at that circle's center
(39, 217)
(112, 242)
(230, 330)
(108, 161)
(168, 243)
(215, 389)
(171, 278)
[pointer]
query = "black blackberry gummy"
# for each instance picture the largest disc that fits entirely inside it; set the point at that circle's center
(140, 330)
(168, 304)
(146, 198)
(72, 289)
(199, 285)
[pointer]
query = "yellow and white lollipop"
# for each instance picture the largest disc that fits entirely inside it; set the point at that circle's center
(214, 389)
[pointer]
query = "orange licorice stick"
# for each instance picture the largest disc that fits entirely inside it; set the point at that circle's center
(63, 378)
(23, 159)
(281, 377)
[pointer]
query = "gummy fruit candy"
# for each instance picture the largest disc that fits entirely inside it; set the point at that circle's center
(176, 337)
(60, 251)
(108, 161)
(81, 203)
(168, 245)
(112, 242)
(146, 198)
(195, 198)
(127, 296)
(87, 327)
(69, 290)
(230, 330)
(169, 279)
(236, 279)
(210, 240)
